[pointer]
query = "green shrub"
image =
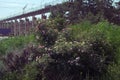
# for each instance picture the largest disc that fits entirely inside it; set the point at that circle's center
(46, 35)
(60, 23)
(31, 72)
(11, 76)
(105, 32)
(12, 43)
(83, 51)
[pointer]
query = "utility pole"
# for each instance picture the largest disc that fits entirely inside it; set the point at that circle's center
(24, 8)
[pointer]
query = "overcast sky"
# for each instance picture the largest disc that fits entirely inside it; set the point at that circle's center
(11, 7)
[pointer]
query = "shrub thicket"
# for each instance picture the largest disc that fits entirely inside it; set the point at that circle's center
(82, 51)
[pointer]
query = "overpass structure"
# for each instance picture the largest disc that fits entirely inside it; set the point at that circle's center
(17, 26)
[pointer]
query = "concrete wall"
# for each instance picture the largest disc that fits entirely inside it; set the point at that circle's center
(20, 26)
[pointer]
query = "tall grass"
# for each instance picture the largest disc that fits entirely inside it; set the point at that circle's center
(81, 33)
(13, 43)
(109, 33)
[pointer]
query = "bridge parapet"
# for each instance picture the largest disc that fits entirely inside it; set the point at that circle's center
(19, 26)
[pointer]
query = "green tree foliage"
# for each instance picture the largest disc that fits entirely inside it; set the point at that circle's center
(79, 9)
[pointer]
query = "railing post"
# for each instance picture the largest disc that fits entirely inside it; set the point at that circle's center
(44, 16)
(21, 30)
(5, 24)
(14, 30)
(34, 22)
(16, 26)
(27, 27)
(19, 33)
(12, 27)
(0, 25)
(8, 23)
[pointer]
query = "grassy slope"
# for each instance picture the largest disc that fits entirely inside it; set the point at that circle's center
(12, 43)
(110, 33)
(83, 31)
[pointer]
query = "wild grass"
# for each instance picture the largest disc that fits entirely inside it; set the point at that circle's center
(109, 33)
(13, 43)
(83, 32)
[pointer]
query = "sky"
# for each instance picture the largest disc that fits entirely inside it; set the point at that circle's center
(13, 7)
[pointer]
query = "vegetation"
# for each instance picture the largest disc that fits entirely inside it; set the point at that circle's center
(79, 9)
(12, 43)
(74, 46)
(81, 51)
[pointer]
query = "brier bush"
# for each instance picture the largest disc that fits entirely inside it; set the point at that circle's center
(77, 58)
(83, 57)
(60, 23)
(82, 52)
(46, 35)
